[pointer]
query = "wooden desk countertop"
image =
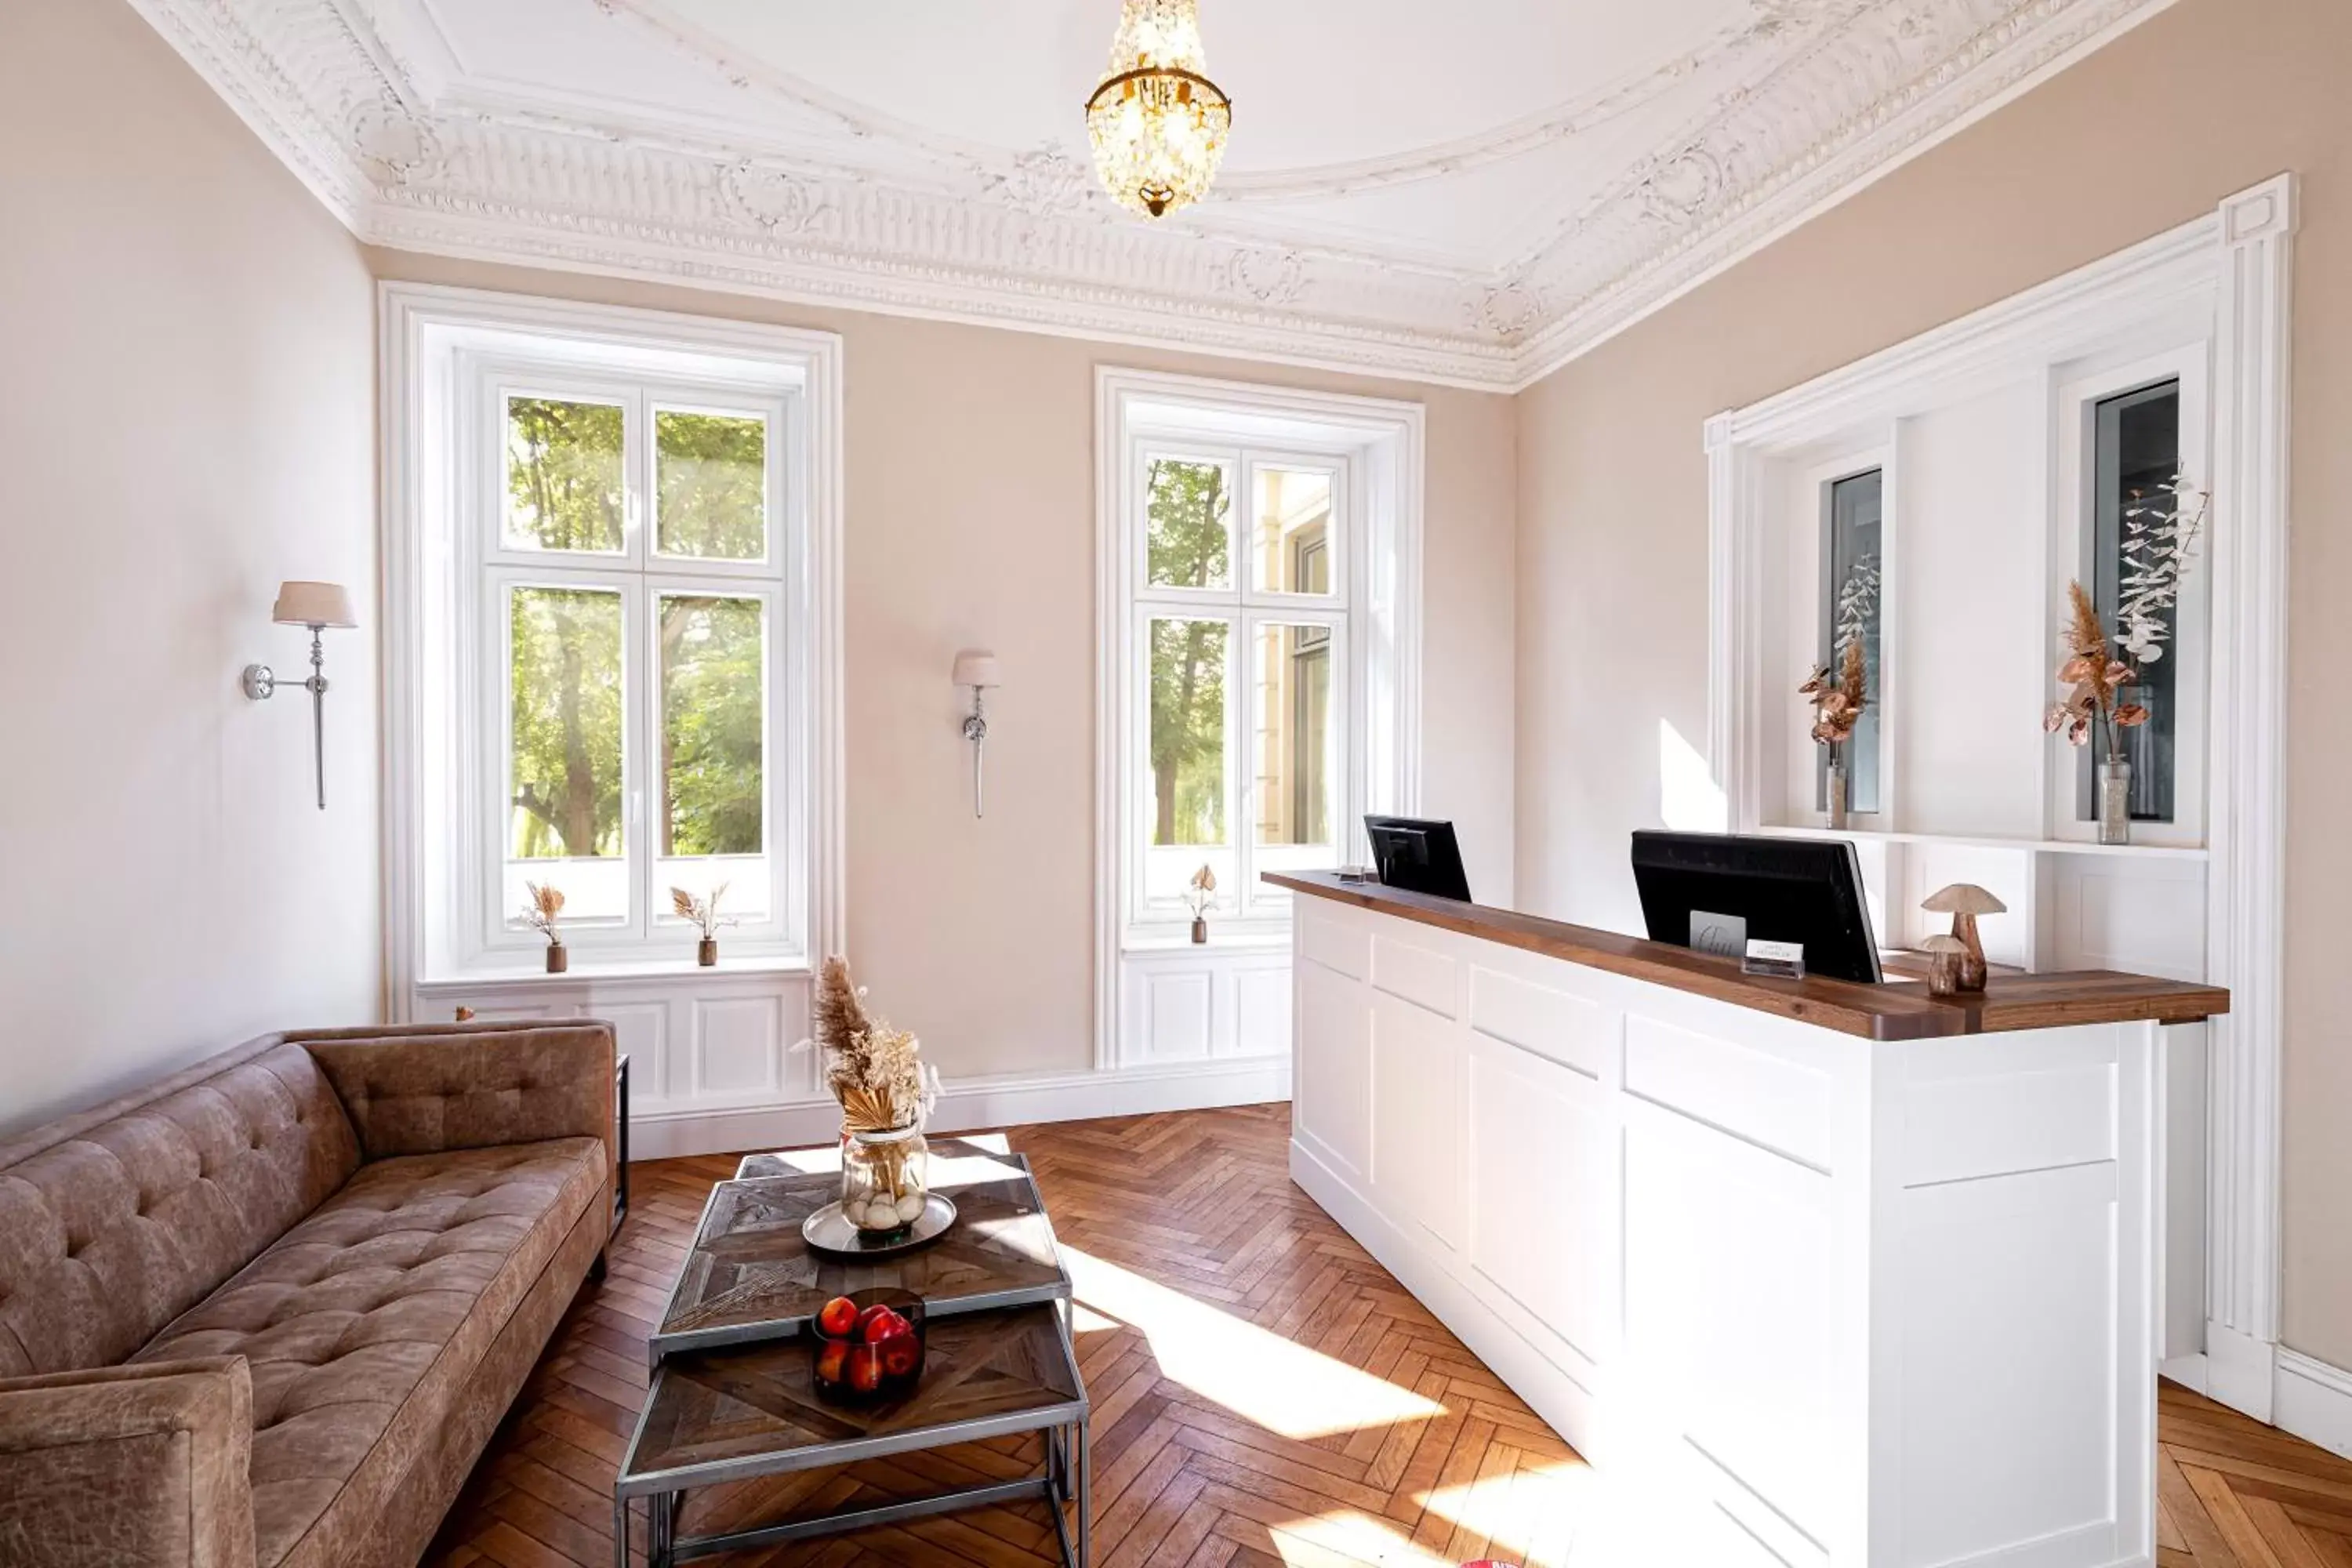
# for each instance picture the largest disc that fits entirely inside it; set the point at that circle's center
(1897, 1010)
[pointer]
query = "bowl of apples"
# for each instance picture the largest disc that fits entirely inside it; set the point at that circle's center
(867, 1346)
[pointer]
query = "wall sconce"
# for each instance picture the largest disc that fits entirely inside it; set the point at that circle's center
(977, 670)
(317, 605)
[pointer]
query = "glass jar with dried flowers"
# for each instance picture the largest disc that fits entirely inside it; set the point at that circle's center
(1838, 704)
(543, 914)
(886, 1090)
(2094, 681)
(707, 921)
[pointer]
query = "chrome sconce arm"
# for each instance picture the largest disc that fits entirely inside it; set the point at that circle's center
(978, 670)
(317, 605)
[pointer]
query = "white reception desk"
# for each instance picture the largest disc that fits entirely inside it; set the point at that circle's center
(1839, 1274)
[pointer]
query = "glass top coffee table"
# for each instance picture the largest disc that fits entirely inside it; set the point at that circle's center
(738, 1414)
(750, 1277)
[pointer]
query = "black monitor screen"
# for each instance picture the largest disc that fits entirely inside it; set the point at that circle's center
(1715, 893)
(1419, 857)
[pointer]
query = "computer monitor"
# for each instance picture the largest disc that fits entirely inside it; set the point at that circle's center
(1714, 893)
(1419, 857)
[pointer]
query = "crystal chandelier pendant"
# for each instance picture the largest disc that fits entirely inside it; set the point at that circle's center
(1157, 123)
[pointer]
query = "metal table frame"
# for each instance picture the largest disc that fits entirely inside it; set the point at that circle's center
(1066, 1479)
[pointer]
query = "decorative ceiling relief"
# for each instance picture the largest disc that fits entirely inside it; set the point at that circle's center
(1576, 163)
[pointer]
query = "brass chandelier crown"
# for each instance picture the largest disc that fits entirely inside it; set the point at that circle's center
(1157, 123)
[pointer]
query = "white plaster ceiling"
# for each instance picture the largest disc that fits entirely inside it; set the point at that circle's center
(1466, 191)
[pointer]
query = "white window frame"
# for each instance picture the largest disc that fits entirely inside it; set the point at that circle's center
(1373, 448)
(452, 359)
(2076, 436)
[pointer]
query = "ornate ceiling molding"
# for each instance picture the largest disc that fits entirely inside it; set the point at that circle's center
(1804, 100)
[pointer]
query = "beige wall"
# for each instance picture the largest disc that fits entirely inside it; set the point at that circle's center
(2207, 98)
(970, 519)
(187, 352)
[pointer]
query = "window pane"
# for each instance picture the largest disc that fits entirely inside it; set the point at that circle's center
(1186, 507)
(1292, 548)
(564, 485)
(1188, 731)
(2135, 461)
(710, 482)
(713, 738)
(1850, 613)
(564, 718)
(1294, 735)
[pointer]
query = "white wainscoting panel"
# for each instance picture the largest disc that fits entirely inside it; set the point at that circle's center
(1417, 1078)
(1190, 1004)
(1847, 1304)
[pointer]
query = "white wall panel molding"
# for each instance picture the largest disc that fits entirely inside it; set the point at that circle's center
(772, 187)
(2217, 287)
(2246, 934)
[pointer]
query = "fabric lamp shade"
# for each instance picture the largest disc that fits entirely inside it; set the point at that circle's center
(976, 669)
(313, 604)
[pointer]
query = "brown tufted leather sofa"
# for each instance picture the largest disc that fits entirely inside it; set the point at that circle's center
(269, 1310)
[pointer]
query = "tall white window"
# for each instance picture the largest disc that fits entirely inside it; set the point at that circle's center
(613, 613)
(1255, 552)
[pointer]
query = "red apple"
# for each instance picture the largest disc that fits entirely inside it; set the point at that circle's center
(901, 1355)
(838, 1316)
(865, 1369)
(883, 1328)
(831, 1362)
(873, 1315)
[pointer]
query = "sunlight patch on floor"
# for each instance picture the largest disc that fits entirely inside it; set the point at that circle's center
(1529, 1516)
(1258, 1376)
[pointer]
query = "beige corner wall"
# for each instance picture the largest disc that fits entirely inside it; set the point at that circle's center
(971, 521)
(2206, 98)
(186, 416)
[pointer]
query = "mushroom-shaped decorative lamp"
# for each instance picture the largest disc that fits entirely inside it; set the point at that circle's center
(1948, 953)
(1964, 901)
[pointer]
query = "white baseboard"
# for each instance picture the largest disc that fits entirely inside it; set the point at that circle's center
(2189, 1370)
(2315, 1401)
(972, 1103)
(2240, 1370)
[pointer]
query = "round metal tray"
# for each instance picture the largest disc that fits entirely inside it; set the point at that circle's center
(828, 1231)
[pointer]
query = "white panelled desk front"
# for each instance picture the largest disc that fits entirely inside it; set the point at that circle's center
(1836, 1299)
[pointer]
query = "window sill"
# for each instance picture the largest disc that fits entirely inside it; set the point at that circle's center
(587, 969)
(1180, 940)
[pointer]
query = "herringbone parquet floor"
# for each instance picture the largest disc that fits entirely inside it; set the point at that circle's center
(1265, 1395)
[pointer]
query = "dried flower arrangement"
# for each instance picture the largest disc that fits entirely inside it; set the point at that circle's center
(1838, 702)
(544, 912)
(2094, 680)
(873, 1069)
(1201, 892)
(2159, 533)
(703, 913)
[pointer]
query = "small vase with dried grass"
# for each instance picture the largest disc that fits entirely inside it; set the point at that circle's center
(886, 1090)
(2095, 680)
(1838, 703)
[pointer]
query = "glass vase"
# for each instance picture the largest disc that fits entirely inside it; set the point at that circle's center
(1837, 791)
(2115, 800)
(885, 1178)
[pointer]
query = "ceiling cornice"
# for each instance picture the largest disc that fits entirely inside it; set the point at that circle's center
(1027, 241)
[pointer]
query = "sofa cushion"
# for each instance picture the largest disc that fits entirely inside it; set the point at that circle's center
(361, 1322)
(114, 1221)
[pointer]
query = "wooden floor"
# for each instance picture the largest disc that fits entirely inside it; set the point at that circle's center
(1264, 1395)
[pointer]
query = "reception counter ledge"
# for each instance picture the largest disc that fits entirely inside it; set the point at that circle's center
(1812, 1272)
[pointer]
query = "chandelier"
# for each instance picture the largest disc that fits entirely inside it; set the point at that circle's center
(1157, 123)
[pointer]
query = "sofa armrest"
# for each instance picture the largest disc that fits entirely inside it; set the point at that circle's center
(427, 1089)
(129, 1467)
